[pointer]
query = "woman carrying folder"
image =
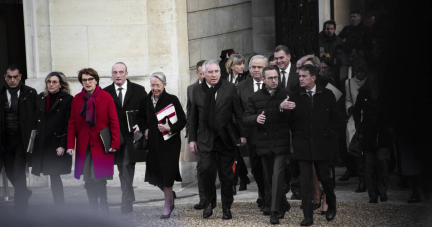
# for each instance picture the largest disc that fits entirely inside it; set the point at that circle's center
(93, 110)
(53, 112)
(162, 118)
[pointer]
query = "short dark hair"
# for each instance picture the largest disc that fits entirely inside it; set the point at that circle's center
(350, 45)
(199, 64)
(310, 68)
(327, 61)
(282, 47)
(331, 22)
(271, 58)
(267, 68)
(90, 72)
(12, 67)
(356, 12)
(339, 46)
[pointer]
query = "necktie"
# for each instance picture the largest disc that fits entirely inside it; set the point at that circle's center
(310, 96)
(120, 95)
(283, 78)
(259, 86)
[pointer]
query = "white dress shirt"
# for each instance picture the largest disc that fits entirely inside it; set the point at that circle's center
(313, 90)
(255, 86)
(210, 87)
(124, 86)
(9, 96)
(286, 74)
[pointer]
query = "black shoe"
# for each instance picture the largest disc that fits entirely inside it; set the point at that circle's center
(208, 211)
(262, 208)
(234, 190)
(307, 222)
(163, 216)
(318, 205)
(226, 214)
(373, 200)
(346, 176)
(274, 220)
(174, 195)
(242, 187)
(403, 184)
(126, 208)
(267, 211)
(200, 205)
(362, 186)
(286, 188)
(323, 212)
(296, 196)
(383, 197)
(243, 183)
(331, 213)
(415, 198)
(260, 202)
(281, 214)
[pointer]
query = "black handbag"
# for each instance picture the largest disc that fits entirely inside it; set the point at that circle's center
(356, 144)
(140, 142)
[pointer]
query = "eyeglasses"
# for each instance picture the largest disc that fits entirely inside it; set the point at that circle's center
(87, 80)
(272, 78)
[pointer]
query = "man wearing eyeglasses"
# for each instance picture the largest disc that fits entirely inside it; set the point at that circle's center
(127, 97)
(268, 111)
(17, 116)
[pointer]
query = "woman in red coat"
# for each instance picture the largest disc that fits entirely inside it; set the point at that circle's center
(93, 109)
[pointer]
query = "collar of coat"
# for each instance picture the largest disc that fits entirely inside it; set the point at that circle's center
(266, 90)
(24, 89)
(318, 90)
(160, 100)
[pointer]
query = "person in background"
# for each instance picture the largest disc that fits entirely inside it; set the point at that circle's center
(164, 142)
(93, 110)
(328, 39)
(235, 69)
(225, 54)
(272, 61)
(53, 113)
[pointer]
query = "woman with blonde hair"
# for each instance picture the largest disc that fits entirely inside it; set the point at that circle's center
(235, 68)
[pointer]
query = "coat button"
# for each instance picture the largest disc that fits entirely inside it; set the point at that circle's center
(58, 110)
(60, 99)
(55, 133)
(92, 145)
(42, 97)
(38, 120)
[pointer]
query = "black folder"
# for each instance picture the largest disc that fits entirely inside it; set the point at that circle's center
(233, 132)
(106, 138)
(131, 116)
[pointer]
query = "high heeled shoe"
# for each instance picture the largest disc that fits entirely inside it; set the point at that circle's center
(163, 216)
(318, 205)
(174, 197)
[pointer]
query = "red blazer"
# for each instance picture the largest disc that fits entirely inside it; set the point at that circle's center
(106, 115)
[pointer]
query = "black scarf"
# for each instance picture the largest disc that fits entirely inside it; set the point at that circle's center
(328, 38)
(209, 104)
(14, 95)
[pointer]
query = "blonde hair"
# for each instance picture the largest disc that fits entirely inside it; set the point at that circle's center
(314, 59)
(63, 82)
(234, 59)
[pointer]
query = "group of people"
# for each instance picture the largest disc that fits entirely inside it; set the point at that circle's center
(295, 122)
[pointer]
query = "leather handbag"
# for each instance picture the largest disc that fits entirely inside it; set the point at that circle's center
(356, 144)
(140, 142)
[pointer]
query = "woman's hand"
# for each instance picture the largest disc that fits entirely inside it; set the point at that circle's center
(164, 127)
(136, 128)
(146, 134)
(70, 152)
(112, 150)
(60, 151)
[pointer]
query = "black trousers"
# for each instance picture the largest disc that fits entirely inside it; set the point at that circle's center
(14, 159)
(257, 170)
(323, 174)
(295, 175)
(220, 159)
(377, 171)
(274, 171)
(241, 169)
(57, 189)
(200, 178)
(126, 175)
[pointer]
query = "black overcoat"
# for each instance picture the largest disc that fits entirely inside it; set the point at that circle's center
(135, 95)
(51, 134)
(163, 155)
(315, 127)
(273, 137)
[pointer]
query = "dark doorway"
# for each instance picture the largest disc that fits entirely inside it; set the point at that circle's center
(12, 37)
(296, 26)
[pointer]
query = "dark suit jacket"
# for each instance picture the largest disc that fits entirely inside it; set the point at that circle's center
(189, 102)
(227, 105)
(245, 90)
(293, 79)
(135, 94)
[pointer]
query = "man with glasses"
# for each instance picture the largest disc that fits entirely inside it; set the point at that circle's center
(127, 97)
(268, 111)
(245, 89)
(17, 116)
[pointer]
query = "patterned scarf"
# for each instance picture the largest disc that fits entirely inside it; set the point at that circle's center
(88, 110)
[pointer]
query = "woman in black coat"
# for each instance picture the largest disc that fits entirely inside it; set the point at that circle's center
(164, 143)
(53, 112)
(371, 120)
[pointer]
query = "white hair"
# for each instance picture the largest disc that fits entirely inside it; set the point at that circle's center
(160, 76)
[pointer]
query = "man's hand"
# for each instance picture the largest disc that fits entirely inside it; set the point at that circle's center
(60, 151)
(261, 118)
(243, 141)
(164, 127)
(287, 105)
(193, 147)
(146, 134)
(112, 150)
(136, 128)
(70, 152)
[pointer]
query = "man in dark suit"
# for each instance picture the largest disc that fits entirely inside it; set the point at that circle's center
(245, 89)
(314, 123)
(289, 77)
(215, 102)
(17, 119)
(127, 97)
(200, 176)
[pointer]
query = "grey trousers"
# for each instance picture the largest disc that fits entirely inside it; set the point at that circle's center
(126, 175)
(274, 172)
